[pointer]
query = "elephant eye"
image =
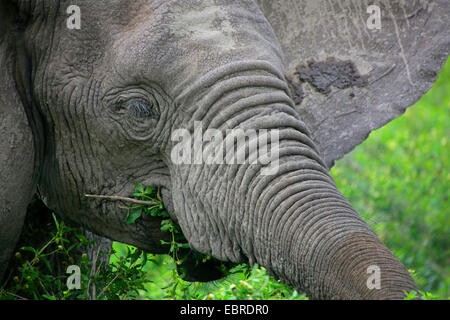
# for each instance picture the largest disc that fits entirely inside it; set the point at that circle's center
(140, 108)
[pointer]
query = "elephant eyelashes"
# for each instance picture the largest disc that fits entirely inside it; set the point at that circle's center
(142, 109)
(137, 116)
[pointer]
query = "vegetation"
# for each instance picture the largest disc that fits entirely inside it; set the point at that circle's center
(37, 278)
(398, 180)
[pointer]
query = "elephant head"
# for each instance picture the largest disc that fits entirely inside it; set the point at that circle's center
(121, 93)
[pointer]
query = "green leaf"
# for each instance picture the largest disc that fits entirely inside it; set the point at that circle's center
(144, 258)
(149, 190)
(135, 256)
(56, 221)
(137, 195)
(83, 240)
(411, 295)
(72, 246)
(47, 263)
(428, 296)
(166, 225)
(31, 249)
(133, 216)
(139, 187)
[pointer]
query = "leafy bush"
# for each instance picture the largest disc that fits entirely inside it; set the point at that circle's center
(36, 277)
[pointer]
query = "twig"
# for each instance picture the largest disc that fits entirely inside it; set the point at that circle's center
(158, 195)
(15, 295)
(106, 288)
(119, 198)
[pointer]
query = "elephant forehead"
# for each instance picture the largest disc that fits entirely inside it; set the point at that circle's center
(182, 40)
(210, 24)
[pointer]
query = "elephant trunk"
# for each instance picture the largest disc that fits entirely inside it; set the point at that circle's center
(291, 219)
(303, 230)
(308, 235)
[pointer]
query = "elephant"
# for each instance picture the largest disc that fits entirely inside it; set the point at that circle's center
(92, 93)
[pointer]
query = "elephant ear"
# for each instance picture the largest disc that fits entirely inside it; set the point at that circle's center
(17, 147)
(353, 66)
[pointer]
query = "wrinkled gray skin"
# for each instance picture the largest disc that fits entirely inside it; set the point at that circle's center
(218, 62)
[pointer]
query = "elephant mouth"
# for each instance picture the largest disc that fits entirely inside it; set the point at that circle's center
(167, 200)
(108, 212)
(191, 265)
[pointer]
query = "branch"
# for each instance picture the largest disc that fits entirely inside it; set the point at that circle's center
(106, 288)
(119, 198)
